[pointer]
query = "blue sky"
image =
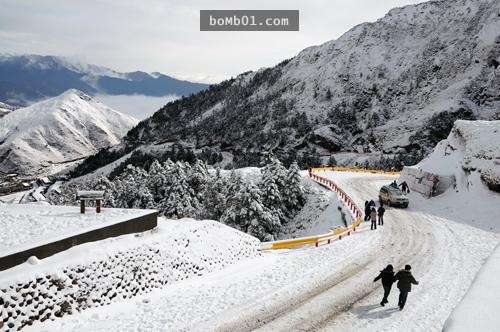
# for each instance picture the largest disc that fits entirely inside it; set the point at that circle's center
(164, 36)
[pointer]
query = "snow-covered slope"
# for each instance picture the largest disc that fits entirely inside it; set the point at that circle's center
(5, 109)
(470, 154)
(65, 128)
(391, 88)
(99, 273)
(473, 147)
(478, 310)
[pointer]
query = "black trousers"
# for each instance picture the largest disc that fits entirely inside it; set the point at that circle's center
(380, 219)
(387, 291)
(374, 224)
(402, 298)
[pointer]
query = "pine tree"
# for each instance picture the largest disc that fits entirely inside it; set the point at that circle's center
(180, 200)
(294, 194)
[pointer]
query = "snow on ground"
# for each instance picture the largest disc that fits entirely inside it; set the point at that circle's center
(444, 246)
(99, 273)
(28, 225)
(318, 216)
(467, 153)
(327, 288)
(243, 289)
(478, 310)
(15, 197)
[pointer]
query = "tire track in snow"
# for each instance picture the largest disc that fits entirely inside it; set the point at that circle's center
(445, 269)
(398, 238)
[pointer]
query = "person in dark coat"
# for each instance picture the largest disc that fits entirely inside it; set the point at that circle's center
(373, 217)
(367, 211)
(381, 211)
(405, 279)
(404, 187)
(342, 216)
(372, 203)
(394, 184)
(387, 276)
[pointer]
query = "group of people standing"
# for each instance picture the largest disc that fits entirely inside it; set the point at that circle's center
(371, 213)
(404, 278)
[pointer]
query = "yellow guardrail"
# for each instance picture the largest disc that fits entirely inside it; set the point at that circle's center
(336, 233)
(353, 169)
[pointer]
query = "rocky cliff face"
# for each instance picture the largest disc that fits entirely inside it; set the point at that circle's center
(383, 93)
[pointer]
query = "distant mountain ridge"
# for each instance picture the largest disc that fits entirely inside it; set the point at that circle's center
(28, 78)
(383, 94)
(42, 138)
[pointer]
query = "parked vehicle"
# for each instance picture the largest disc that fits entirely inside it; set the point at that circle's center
(393, 197)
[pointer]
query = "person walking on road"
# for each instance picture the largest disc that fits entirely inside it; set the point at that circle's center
(373, 217)
(381, 211)
(342, 216)
(372, 203)
(387, 276)
(367, 211)
(404, 187)
(405, 280)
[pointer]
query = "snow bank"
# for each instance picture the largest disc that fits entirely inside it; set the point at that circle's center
(478, 310)
(467, 155)
(471, 146)
(28, 225)
(99, 273)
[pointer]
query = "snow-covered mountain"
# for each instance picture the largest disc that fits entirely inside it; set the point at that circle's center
(5, 109)
(389, 90)
(27, 78)
(45, 136)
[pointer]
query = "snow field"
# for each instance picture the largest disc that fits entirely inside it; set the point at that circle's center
(445, 257)
(479, 307)
(231, 298)
(40, 224)
(103, 272)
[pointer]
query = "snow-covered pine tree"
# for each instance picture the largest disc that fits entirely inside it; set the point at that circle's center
(105, 185)
(128, 183)
(247, 213)
(294, 194)
(156, 181)
(180, 200)
(215, 196)
(273, 185)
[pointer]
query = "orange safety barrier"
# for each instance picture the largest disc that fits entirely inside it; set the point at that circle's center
(336, 233)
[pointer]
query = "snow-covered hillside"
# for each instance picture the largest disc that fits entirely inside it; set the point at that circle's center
(42, 137)
(473, 147)
(99, 273)
(470, 156)
(5, 109)
(390, 89)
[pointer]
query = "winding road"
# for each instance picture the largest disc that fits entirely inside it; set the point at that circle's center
(444, 255)
(329, 288)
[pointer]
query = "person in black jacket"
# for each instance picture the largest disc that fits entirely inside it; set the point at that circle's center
(381, 211)
(405, 280)
(387, 276)
(367, 211)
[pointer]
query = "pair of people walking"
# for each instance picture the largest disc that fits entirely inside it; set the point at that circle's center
(404, 278)
(373, 216)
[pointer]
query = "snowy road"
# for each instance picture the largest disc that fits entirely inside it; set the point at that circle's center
(444, 255)
(327, 288)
